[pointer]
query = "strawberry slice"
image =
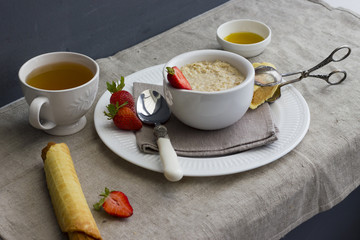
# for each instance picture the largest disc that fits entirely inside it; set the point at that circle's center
(177, 79)
(115, 203)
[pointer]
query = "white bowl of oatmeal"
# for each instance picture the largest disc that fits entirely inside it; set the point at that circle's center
(222, 83)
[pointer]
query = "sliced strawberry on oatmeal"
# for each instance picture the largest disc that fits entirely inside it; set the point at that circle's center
(177, 79)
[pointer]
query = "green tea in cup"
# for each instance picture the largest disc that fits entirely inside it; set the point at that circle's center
(59, 76)
(60, 88)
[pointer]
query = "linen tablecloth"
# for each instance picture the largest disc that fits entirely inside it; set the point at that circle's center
(264, 203)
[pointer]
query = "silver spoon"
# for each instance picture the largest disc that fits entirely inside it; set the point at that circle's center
(268, 76)
(152, 109)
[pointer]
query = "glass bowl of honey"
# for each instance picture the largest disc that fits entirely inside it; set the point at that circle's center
(245, 37)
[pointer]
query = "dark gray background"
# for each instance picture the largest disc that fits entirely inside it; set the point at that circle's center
(97, 28)
(100, 28)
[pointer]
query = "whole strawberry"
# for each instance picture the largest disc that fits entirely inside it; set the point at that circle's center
(115, 203)
(123, 117)
(177, 79)
(119, 95)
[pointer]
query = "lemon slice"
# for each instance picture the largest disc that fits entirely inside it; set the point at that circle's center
(261, 94)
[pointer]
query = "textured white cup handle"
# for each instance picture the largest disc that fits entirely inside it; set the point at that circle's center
(169, 159)
(34, 114)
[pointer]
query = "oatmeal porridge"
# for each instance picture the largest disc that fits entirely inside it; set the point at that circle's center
(212, 76)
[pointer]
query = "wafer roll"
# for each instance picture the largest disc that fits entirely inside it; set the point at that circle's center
(70, 206)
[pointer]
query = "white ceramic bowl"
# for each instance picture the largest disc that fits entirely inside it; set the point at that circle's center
(210, 110)
(244, 25)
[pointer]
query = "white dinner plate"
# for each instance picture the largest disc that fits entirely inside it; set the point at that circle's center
(291, 116)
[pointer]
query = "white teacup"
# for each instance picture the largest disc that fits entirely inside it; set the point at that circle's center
(59, 112)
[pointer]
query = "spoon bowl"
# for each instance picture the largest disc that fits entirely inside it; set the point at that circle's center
(266, 76)
(152, 108)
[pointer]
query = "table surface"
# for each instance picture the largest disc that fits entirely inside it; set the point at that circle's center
(264, 203)
(349, 5)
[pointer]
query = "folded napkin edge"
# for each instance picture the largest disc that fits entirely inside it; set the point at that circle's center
(147, 142)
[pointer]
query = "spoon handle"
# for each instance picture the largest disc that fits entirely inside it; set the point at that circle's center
(168, 156)
(169, 159)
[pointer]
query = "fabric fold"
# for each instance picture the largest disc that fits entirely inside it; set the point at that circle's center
(256, 128)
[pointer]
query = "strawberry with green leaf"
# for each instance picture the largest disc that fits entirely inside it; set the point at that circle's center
(177, 79)
(119, 95)
(123, 117)
(114, 203)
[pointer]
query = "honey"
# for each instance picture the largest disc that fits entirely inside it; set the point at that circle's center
(244, 38)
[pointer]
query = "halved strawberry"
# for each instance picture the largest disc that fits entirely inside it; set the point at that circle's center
(114, 203)
(119, 95)
(123, 117)
(177, 79)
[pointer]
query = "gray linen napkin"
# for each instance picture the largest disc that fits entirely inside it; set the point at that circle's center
(254, 129)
